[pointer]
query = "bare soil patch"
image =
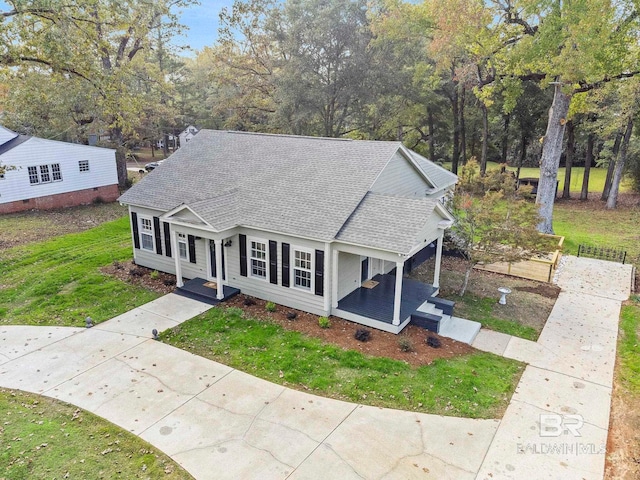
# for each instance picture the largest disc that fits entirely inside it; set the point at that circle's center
(623, 442)
(341, 333)
(145, 277)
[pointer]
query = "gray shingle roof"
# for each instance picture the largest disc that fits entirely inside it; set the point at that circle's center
(302, 186)
(441, 177)
(297, 185)
(387, 222)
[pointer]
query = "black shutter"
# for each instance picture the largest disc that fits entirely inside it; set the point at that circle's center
(243, 255)
(286, 274)
(157, 235)
(212, 249)
(319, 272)
(136, 233)
(273, 262)
(192, 248)
(167, 239)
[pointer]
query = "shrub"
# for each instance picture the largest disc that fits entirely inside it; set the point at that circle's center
(136, 272)
(324, 322)
(248, 302)
(154, 275)
(433, 342)
(362, 335)
(98, 200)
(291, 315)
(168, 282)
(405, 344)
(117, 265)
(270, 307)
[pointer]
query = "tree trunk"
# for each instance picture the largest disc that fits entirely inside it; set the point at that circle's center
(432, 142)
(611, 168)
(551, 151)
(612, 201)
(584, 194)
(463, 131)
(523, 153)
(505, 138)
(485, 138)
(456, 131)
(467, 273)
(570, 153)
(165, 146)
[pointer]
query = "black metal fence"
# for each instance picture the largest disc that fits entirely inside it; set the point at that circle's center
(602, 253)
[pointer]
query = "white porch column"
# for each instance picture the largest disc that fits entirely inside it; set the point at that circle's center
(176, 257)
(334, 279)
(219, 272)
(328, 276)
(436, 271)
(398, 293)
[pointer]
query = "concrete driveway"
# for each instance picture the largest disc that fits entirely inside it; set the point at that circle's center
(220, 423)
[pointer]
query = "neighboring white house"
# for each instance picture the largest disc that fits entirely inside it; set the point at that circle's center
(187, 134)
(323, 225)
(45, 174)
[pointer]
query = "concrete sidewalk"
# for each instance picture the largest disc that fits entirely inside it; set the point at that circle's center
(220, 423)
(556, 424)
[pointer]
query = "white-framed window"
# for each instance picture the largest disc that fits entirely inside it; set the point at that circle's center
(56, 174)
(44, 174)
(258, 258)
(34, 179)
(146, 233)
(183, 251)
(302, 270)
(83, 165)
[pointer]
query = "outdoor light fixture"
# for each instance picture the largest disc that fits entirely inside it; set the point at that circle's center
(227, 243)
(154, 332)
(89, 322)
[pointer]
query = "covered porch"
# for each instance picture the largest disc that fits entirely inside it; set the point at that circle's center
(206, 291)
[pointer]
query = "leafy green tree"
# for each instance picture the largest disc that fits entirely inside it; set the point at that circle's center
(492, 222)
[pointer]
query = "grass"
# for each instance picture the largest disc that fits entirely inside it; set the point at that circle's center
(57, 281)
(481, 309)
(608, 228)
(43, 438)
(477, 386)
(629, 346)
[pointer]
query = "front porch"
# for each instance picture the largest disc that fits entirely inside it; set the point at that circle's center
(374, 307)
(206, 291)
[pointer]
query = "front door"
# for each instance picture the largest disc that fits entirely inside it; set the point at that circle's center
(364, 272)
(212, 256)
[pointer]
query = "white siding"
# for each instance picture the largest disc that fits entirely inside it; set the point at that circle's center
(349, 266)
(37, 151)
(166, 264)
(399, 177)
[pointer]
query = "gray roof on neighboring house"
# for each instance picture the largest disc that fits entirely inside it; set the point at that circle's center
(387, 222)
(301, 186)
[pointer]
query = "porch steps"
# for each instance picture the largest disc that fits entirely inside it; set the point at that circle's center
(445, 325)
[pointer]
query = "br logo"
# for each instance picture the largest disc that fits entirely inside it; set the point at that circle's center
(554, 425)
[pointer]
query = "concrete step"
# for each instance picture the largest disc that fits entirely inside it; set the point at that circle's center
(459, 329)
(428, 307)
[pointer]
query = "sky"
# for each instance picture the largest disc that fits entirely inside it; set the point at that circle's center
(203, 23)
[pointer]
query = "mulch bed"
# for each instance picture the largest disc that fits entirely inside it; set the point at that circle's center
(133, 274)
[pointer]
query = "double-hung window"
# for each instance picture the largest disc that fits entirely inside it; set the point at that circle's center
(182, 246)
(55, 172)
(258, 259)
(83, 165)
(146, 233)
(302, 269)
(33, 175)
(44, 174)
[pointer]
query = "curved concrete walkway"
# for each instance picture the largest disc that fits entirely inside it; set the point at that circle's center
(220, 423)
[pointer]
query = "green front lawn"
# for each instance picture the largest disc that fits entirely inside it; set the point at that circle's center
(57, 281)
(477, 385)
(629, 346)
(42, 438)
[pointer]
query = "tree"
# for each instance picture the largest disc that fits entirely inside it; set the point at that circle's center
(492, 223)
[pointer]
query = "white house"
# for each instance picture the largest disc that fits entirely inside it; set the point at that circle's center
(323, 225)
(187, 134)
(45, 174)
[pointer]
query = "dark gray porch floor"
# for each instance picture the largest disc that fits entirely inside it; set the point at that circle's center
(377, 302)
(196, 290)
